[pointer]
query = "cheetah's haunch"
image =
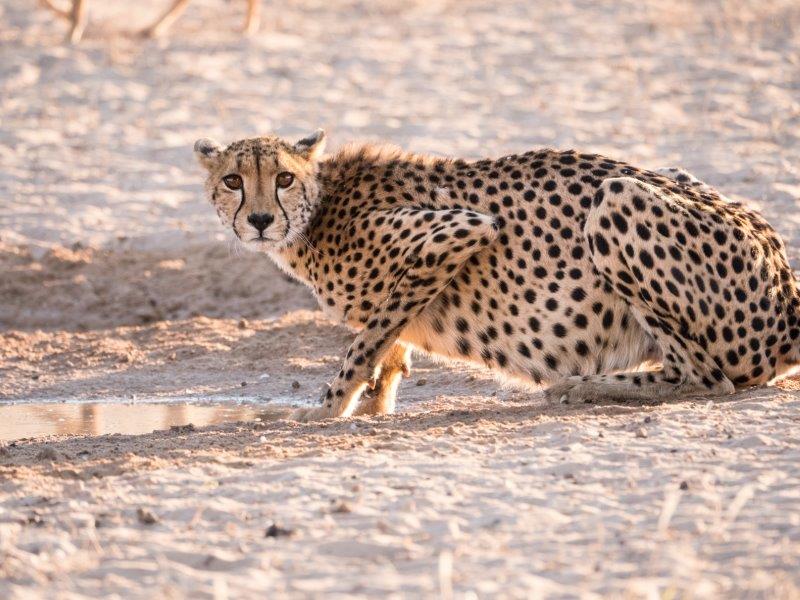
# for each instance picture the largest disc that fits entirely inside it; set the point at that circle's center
(546, 266)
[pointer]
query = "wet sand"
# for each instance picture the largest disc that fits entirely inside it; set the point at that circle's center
(24, 421)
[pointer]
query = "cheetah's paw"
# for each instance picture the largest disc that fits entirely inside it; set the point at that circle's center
(570, 390)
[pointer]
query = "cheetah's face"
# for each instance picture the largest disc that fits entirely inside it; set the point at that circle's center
(265, 189)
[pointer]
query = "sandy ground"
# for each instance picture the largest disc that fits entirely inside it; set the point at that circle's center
(118, 284)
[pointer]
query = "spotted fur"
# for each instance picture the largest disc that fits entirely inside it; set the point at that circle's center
(546, 267)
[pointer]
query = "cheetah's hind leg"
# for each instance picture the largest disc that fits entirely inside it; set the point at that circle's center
(627, 226)
(380, 400)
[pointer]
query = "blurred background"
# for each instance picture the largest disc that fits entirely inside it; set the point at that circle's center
(96, 137)
(117, 278)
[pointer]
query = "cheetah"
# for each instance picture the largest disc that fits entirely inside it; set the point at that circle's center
(601, 279)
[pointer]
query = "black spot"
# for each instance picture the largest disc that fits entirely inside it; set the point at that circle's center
(601, 244)
(534, 324)
(578, 294)
(619, 222)
(737, 264)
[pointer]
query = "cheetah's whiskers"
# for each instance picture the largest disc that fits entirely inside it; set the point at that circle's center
(304, 239)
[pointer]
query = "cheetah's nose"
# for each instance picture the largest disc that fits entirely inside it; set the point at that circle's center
(260, 221)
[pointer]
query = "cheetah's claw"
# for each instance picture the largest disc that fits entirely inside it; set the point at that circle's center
(571, 390)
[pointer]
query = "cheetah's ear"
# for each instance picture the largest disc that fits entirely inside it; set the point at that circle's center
(312, 146)
(207, 152)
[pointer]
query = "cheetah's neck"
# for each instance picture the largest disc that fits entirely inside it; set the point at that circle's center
(337, 175)
(300, 259)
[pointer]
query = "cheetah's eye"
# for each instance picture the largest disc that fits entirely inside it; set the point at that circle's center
(233, 182)
(284, 180)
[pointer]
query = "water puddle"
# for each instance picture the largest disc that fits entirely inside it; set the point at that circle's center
(25, 420)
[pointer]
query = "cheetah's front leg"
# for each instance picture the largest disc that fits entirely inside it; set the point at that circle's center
(445, 239)
(380, 400)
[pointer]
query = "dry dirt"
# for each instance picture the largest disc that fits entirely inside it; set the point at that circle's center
(116, 284)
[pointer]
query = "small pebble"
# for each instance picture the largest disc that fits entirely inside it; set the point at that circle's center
(47, 453)
(35, 519)
(647, 419)
(422, 381)
(146, 517)
(684, 485)
(341, 507)
(244, 384)
(275, 530)
(295, 385)
(641, 432)
(182, 428)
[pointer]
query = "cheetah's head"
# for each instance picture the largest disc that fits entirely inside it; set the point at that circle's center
(264, 188)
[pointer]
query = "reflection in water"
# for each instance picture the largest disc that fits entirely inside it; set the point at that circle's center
(36, 420)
